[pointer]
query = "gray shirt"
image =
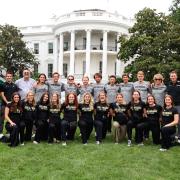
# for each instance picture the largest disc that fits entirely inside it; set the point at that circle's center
(39, 90)
(143, 88)
(127, 89)
(83, 89)
(97, 88)
(55, 87)
(159, 93)
(71, 88)
(111, 92)
(24, 86)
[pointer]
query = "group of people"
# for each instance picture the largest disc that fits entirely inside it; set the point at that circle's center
(30, 106)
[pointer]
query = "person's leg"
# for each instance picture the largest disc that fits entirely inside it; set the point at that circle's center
(51, 132)
(89, 129)
(104, 129)
(155, 128)
(2, 108)
(178, 108)
(72, 130)
(116, 131)
(109, 122)
(83, 128)
(98, 128)
(64, 127)
(166, 136)
(140, 128)
(39, 127)
(58, 130)
(122, 132)
(21, 131)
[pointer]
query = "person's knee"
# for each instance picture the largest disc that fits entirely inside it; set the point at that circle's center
(116, 125)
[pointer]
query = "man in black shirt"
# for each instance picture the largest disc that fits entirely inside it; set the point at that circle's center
(173, 89)
(7, 89)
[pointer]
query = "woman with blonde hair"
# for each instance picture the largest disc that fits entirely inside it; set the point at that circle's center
(158, 89)
(29, 114)
(119, 111)
(101, 110)
(86, 109)
(54, 122)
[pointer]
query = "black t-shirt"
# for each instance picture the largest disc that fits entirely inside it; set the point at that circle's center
(86, 112)
(168, 115)
(153, 113)
(102, 110)
(9, 89)
(42, 112)
(54, 114)
(120, 111)
(29, 111)
(14, 113)
(70, 112)
(136, 110)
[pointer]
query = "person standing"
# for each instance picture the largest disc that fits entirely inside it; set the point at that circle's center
(86, 109)
(29, 114)
(126, 88)
(111, 89)
(101, 111)
(8, 88)
(173, 89)
(158, 89)
(170, 118)
(69, 122)
(25, 84)
(142, 86)
(40, 88)
(97, 86)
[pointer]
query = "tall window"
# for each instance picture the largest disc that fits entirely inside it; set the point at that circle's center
(50, 70)
(100, 66)
(36, 48)
(65, 46)
(84, 43)
(101, 43)
(50, 48)
(84, 67)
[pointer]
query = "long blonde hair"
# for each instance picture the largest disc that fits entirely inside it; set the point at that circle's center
(91, 103)
(33, 101)
(58, 105)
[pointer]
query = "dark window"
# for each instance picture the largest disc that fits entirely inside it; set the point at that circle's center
(50, 70)
(50, 48)
(36, 48)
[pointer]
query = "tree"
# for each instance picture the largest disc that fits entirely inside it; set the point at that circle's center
(175, 11)
(153, 44)
(13, 51)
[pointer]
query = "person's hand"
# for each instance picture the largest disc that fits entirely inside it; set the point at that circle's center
(12, 124)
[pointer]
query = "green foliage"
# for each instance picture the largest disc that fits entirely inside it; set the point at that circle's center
(13, 51)
(154, 45)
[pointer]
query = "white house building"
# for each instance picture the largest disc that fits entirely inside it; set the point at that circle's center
(80, 42)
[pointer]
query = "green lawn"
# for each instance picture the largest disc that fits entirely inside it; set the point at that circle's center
(76, 161)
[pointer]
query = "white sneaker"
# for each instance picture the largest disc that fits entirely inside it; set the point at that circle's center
(85, 144)
(116, 143)
(129, 143)
(163, 149)
(22, 144)
(35, 142)
(64, 144)
(98, 142)
(141, 144)
(1, 135)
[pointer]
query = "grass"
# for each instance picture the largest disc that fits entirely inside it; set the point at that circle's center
(76, 161)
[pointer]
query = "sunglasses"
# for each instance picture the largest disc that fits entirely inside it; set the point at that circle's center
(158, 79)
(70, 79)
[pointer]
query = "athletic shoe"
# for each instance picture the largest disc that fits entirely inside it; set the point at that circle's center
(116, 143)
(64, 143)
(163, 149)
(22, 144)
(129, 143)
(35, 142)
(85, 144)
(141, 144)
(98, 142)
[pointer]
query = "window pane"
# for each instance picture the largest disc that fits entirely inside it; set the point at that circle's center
(36, 48)
(50, 48)
(50, 70)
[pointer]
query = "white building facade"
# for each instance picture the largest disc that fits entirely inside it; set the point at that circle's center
(81, 42)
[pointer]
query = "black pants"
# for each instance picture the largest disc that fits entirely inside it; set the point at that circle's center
(15, 131)
(68, 128)
(166, 133)
(109, 123)
(86, 128)
(54, 131)
(28, 131)
(2, 108)
(101, 129)
(153, 127)
(41, 130)
(130, 125)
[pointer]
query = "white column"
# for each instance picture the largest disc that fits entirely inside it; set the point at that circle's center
(118, 61)
(104, 60)
(55, 62)
(61, 53)
(72, 53)
(88, 51)
(42, 56)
